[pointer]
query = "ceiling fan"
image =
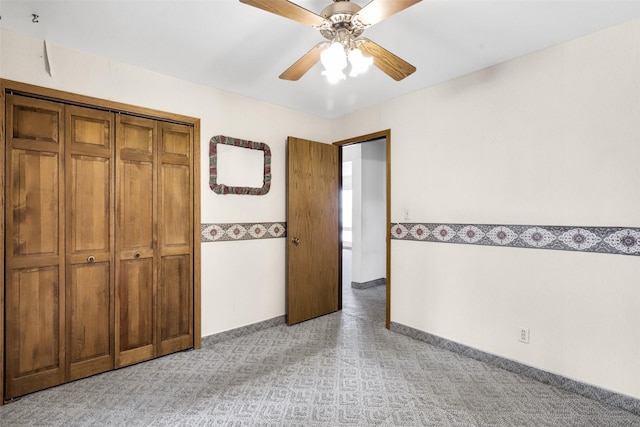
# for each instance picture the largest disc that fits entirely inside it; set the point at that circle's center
(342, 23)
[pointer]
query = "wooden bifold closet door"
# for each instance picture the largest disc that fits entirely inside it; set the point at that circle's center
(34, 246)
(154, 256)
(90, 241)
(99, 241)
(136, 261)
(175, 245)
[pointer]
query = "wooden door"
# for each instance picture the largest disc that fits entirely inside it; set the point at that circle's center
(312, 229)
(136, 231)
(34, 246)
(175, 242)
(89, 260)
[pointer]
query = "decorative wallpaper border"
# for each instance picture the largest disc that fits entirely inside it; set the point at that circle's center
(608, 240)
(242, 231)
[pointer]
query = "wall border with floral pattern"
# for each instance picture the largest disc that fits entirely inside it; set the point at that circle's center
(607, 240)
(227, 232)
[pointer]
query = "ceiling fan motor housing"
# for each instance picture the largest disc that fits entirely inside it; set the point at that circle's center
(340, 16)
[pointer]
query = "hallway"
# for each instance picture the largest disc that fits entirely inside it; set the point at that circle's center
(369, 304)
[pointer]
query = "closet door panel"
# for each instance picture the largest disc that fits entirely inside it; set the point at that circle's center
(90, 271)
(176, 300)
(136, 206)
(90, 202)
(175, 284)
(35, 120)
(136, 311)
(36, 194)
(136, 268)
(177, 142)
(91, 348)
(35, 354)
(34, 249)
(175, 228)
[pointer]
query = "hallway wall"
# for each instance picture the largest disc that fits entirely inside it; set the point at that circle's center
(369, 209)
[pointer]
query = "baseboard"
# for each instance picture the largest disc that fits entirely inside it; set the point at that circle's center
(243, 330)
(370, 284)
(596, 393)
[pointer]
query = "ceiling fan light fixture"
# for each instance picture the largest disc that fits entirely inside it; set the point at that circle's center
(359, 63)
(334, 58)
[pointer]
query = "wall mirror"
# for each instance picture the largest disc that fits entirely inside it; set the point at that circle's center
(238, 166)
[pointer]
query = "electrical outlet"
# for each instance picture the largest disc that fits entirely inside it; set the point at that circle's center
(406, 215)
(524, 335)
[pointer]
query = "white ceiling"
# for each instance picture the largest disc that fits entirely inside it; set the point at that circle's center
(237, 48)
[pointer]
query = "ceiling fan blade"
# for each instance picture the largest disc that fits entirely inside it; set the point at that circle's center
(377, 10)
(288, 10)
(304, 64)
(396, 67)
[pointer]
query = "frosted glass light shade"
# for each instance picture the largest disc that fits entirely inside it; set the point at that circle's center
(359, 63)
(334, 58)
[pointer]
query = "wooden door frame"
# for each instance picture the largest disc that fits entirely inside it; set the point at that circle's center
(2, 214)
(386, 134)
(87, 101)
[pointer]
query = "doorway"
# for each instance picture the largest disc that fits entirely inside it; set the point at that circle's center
(365, 207)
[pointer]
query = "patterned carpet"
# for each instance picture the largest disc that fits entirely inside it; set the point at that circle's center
(344, 369)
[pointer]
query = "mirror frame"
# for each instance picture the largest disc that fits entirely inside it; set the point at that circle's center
(219, 188)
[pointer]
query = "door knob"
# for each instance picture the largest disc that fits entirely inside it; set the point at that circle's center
(136, 255)
(91, 258)
(295, 241)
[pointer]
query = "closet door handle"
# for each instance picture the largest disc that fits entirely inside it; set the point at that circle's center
(91, 258)
(136, 255)
(295, 241)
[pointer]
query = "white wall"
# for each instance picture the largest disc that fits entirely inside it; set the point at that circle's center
(552, 138)
(242, 281)
(374, 211)
(368, 257)
(353, 153)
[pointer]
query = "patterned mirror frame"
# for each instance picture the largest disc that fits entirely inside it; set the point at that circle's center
(242, 143)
